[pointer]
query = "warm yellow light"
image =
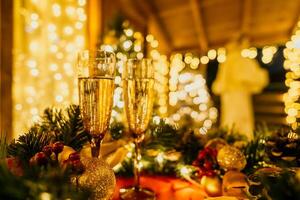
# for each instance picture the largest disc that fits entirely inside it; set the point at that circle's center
(212, 54)
(149, 38)
(221, 58)
(154, 44)
(184, 171)
(204, 60)
(195, 62)
(128, 32)
(127, 44)
(68, 30)
(49, 36)
(56, 10)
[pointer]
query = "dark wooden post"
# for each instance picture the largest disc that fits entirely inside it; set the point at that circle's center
(6, 43)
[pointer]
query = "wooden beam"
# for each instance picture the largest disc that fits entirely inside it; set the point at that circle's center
(6, 42)
(175, 11)
(296, 18)
(199, 26)
(246, 16)
(128, 7)
(148, 8)
(278, 39)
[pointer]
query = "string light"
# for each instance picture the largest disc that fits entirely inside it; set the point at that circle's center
(268, 53)
(52, 40)
(292, 64)
(188, 93)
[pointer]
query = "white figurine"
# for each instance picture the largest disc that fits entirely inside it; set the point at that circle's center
(237, 79)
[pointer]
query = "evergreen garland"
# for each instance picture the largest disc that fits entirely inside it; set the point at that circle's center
(55, 125)
(30, 143)
(179, 147)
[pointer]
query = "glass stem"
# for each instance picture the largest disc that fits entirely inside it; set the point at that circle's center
(95, 146)
(136, 161)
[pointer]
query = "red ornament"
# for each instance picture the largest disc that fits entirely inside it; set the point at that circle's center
(47, 150)
(74, 156)
(41, 158)
(14, 165)
(206, 162)
(57, 147)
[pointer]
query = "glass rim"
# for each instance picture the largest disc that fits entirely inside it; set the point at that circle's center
(137, 59)
(93, 53)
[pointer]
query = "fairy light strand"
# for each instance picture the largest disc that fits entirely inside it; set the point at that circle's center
(48, 35)
(292, 65)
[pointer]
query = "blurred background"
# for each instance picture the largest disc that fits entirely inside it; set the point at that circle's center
(187, 39)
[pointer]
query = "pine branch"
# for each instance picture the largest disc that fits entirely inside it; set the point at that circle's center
(29, 144)
(53, 182)
(73, 133)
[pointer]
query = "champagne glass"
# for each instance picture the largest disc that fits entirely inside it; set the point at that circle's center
(138, 83)
(96, 72)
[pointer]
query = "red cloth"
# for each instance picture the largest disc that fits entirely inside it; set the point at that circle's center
(166, 188)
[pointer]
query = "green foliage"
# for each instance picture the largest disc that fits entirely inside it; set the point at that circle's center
(73, 133)
(229, 136)
(190, 146)
(66, 127)
(54, 183)
(161, 136)
(27, 145)
(117, 130)
(55, 125)
(278, 186)
(255, 155)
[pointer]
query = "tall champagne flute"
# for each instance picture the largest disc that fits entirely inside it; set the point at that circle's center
(138, 83)
(96, 73)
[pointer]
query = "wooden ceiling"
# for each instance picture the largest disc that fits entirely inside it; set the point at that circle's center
(182, 25)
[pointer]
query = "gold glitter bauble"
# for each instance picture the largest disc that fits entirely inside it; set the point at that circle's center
(216, 143)
(231, 158)
(98, 177)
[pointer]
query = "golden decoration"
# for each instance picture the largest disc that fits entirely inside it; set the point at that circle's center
(231, 158)
(216, 143)
(64, 155)
(98, 177)
(235, 184)
(212, 186)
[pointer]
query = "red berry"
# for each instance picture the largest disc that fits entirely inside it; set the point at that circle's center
(74, 156)
(47, 150)
(210, 173)
(57, 147)
(41, 158)
(208, 165)
(215, 152)
(77, 166)
(201, 155)
(195, 163)
(32, 161)
(208, 150)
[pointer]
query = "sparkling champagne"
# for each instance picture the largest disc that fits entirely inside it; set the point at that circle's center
(138, 97)
(96, 100)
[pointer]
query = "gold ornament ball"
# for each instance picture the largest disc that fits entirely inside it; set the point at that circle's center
(64, 155)
(216, 143)
(98, 177)
(212, 185)
(231, 158)
(235, 184)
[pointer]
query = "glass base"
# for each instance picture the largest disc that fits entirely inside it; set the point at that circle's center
(134, 193)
